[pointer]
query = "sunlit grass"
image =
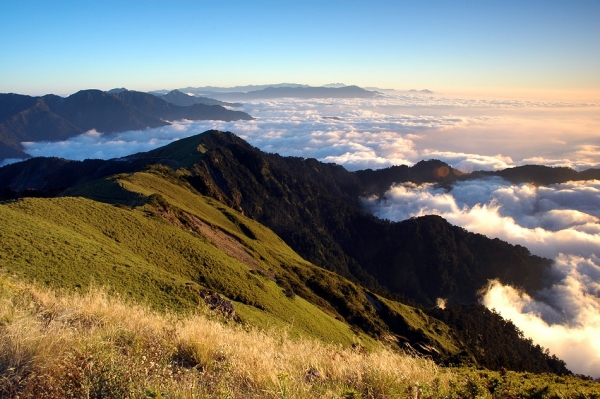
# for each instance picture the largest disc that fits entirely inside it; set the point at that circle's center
(75, 345)
(72, 242)
(60, 345)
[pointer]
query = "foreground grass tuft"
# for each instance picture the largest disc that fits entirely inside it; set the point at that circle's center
(57, 345)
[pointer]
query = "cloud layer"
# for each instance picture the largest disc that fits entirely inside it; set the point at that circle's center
(561, 218)
(561, 221)
(388, 130)
(93, 144)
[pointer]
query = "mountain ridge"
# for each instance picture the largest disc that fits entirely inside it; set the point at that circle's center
(178, 98)
(316, 209)
(305, 92)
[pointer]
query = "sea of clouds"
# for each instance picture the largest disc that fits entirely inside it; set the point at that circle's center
(387, 130)
(560, 221)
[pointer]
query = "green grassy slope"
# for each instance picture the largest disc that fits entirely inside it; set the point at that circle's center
(150, 237)
(147, 233)
(319, 286)
(73, 242)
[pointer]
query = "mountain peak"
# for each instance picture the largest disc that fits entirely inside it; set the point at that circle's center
(335, 85)
(117, 90)
(189, 150)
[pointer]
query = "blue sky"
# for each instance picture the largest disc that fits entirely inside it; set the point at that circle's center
(474, 46)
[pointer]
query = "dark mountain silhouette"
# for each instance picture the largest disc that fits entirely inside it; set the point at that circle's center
(200, 91)
(178, 98)
(47, 177)
(9, 150)
(29, 119)
(152, 105)
(504, 343)
(295, 92)
(116, 90)
(51, 118)
(11, 104)
(377, 182)
(95, 109)
(540, 174)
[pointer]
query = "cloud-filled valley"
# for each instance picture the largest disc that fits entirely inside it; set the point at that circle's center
(561, 218)
(560, 221)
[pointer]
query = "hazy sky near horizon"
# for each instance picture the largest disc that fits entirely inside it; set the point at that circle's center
(518, 48)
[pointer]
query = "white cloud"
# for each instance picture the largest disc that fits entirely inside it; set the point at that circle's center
(561, 218)
(580, 157)
(560, 221)
(470, 162)
(567, 321)
(93, 144)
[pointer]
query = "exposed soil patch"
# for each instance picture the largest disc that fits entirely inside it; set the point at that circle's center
(226, 242)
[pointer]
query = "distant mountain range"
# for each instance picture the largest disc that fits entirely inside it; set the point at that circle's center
(198, 91)
(257, 90)
(50, 117)
(290, 90)
(295, 92)
(185, 100)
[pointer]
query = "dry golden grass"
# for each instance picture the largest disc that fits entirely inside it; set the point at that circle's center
(57, 345)
(65, 345)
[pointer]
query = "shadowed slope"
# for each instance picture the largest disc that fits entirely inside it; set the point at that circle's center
(315, 208)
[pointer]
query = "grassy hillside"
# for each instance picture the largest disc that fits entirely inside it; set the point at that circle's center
(73, 242)
(315, 208)
(96, 345)
(173, 246)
